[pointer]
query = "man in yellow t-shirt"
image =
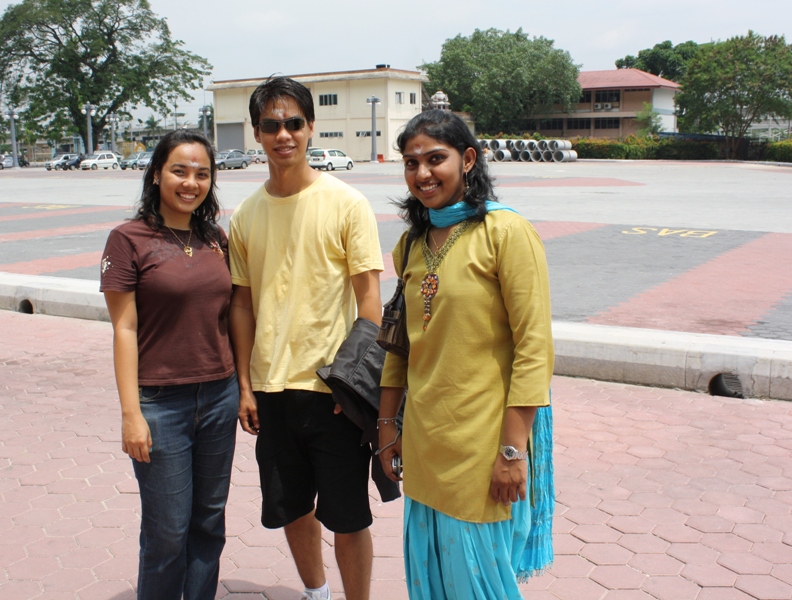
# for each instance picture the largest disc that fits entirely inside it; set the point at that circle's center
(305, 258)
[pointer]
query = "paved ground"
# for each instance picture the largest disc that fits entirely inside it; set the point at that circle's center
(695, 247)
(662, 494)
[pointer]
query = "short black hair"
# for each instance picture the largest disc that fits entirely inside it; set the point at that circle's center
(204, 218)
(446, 127)
(277, 88)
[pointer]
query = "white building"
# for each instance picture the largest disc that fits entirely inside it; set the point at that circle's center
(343, 115)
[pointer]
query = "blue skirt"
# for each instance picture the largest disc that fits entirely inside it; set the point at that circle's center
(449, 559)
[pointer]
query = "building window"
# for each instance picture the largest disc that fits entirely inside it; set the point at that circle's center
(413, 98)
(367, 133)
(585, 98)
(606, 123)
(331, 134)
(578, 123)
(399, 97)
(607, 96)
(328, 99)
(551, 124)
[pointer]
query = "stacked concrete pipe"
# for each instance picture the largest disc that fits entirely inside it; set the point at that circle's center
(530, 150)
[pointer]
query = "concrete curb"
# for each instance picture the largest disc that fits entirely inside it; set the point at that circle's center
(623, 354)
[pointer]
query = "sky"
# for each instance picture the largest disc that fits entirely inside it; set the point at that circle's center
(244, 39)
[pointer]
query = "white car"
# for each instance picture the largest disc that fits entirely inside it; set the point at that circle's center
(104, 160)
(329, 159)
(6, 161)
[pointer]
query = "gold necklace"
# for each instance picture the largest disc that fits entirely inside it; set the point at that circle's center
(431, 282)
(187, 247)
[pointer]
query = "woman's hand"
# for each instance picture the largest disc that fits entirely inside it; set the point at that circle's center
(136, 437)
(509, 480)
(387, 434)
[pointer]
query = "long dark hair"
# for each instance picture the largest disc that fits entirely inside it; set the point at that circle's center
(204, 218)
(448, 128)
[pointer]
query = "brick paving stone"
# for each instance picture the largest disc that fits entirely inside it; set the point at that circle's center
(707, 499)
(764, 587)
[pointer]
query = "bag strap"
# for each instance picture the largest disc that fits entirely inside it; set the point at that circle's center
(411, 235)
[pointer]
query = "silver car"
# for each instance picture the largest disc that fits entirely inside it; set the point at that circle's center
(144, 160)
(6, 161)
(232, 159)
(329, 159)
(58, 161)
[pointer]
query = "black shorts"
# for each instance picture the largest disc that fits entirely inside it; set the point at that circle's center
(307, 453)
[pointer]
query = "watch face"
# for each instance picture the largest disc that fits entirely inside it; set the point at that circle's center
(509, 452)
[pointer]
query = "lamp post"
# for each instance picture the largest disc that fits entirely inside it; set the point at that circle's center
(113, 118)
(11, 114)
(89, 110)
(373, 100)
(205, 111)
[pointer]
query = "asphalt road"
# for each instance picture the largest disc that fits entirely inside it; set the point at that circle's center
(698, 247)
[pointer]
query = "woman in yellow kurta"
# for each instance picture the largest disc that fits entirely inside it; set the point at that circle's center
(480, 363)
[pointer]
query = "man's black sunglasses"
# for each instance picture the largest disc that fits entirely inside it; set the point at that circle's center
(273, 125)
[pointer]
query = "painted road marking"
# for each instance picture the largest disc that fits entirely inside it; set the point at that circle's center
(664, 232)
(548, 230)
(57, 231)
(574, 182)
(746, 283)
(43, 266)
(48, 214)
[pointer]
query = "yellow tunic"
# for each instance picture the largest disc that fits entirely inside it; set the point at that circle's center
(488, 345)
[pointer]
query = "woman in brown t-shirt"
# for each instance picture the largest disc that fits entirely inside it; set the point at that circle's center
(167, 286)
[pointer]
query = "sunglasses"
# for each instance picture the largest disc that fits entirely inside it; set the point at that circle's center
(273, 125)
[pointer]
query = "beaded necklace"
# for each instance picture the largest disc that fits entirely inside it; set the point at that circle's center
(431, 282)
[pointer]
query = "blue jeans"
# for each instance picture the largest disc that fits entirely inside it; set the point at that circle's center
(184, 489)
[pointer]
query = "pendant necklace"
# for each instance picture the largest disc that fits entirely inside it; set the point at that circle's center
(431, 282)
(187, 248)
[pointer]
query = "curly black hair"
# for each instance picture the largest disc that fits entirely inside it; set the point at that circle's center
(448, 128)
(204, 218)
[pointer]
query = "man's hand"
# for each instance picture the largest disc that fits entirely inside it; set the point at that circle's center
(248, 413)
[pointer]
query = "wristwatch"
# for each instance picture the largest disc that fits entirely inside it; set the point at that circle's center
(511, 453)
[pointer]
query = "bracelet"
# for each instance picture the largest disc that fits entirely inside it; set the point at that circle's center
(393, 443)
(388, 420)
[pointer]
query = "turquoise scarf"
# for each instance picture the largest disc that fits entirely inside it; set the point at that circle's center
(456, 213)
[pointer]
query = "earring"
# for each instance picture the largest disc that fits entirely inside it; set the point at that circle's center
(467, 183)
(156, 182)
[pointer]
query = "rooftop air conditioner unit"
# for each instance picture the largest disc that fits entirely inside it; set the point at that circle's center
(597, 106)
(607, 106)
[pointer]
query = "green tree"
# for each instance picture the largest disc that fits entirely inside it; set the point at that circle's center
(152, 125)
(664, 59)
(650, 121)
(733, 84)
(112, 53)
(503, 78)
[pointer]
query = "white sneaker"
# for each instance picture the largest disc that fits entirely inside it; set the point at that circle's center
(315, 596)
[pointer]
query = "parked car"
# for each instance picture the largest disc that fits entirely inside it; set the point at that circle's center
(144, 160)
(257, 156)
(329, 159)
(131, 161)
(311, 149)
(232, 159)
(58, 161)
(103, 160)
(73, 164)
(6, 161)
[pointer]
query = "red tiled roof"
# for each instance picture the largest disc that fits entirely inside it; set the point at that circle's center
(622, 78)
